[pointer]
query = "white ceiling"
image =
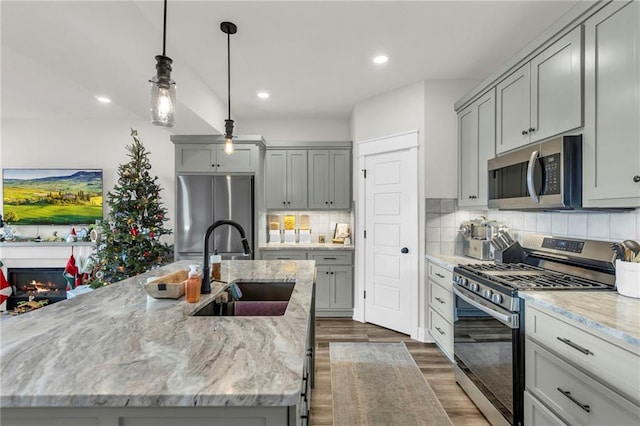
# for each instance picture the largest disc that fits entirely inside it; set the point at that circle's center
(313, 57)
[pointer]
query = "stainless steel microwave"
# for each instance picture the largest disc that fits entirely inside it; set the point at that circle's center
(546, 175)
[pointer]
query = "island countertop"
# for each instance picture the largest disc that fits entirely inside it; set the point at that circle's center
(118, 347)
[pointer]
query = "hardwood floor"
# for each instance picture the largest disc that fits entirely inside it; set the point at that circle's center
(435, 367)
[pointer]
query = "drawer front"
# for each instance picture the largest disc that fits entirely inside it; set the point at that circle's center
(442, 276)
(600, 358)
(331, 257)
(283, 255)
(571, 394)
(536, 414)
(442, 331)
(441, 300)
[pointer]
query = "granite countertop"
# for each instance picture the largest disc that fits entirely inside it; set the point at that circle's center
(117, 347)
(451, 261)
(309, 246)
(605, 311)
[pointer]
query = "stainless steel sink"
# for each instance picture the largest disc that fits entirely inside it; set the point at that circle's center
(259, 298)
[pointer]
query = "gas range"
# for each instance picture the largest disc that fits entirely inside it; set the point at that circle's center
(550, 264)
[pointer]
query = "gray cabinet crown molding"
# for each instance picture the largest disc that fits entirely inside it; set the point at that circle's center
(309, 144)
(567, 22)
(208, 139)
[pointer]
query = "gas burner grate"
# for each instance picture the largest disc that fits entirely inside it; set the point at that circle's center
(500, 267)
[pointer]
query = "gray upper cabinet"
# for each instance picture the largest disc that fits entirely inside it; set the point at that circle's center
(476, 145)
(211, 158)
(543, 98)
(286, 179)
(330, 179)
(611, 140)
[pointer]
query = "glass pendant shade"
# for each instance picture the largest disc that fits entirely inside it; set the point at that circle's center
(228, 146)
(163, 102)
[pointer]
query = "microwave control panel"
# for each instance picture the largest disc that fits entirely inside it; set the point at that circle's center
(551, 173)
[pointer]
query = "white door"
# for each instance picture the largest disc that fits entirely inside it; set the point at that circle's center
(391, 243)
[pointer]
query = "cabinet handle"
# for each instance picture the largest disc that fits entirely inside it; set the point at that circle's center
(326, 202)
(284, 202)
(439, 275)
(439, 300)
(283, 258)
(524, 132)
(636, 178)
(330, 202)
(327, 272)
(585, 407)
(440, 330)
(288, 202)
(217, 165)
(532, 129)
(575, 346)
(330, 258)
(331, 273)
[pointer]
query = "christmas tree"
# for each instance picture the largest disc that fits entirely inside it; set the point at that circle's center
(129, 239)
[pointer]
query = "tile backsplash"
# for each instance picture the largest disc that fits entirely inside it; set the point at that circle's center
(319, 222)
(443, 220)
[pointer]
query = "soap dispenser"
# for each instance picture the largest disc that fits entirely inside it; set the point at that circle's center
(216, 264)
(192, 286)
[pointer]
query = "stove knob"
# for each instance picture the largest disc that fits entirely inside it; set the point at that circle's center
(496, 298)
(486, 294)
(474, 286)
(463, 281)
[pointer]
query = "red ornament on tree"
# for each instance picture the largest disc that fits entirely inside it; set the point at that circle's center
(134, 231)
(146, 253)
(159, 216)
(151, 234)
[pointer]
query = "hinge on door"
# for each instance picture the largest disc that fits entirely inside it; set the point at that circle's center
(365, 233)
(365, 294)
(365, 173)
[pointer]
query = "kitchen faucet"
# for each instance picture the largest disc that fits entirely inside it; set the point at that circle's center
(206, 282)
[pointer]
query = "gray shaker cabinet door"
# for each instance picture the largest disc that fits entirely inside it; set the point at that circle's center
(342, 286)
(318, 179)
(276, 179)
(340, 179)
(297, 179)
(611, 140)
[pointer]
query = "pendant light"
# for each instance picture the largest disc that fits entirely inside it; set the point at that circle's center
(163, 89)
(228, 28)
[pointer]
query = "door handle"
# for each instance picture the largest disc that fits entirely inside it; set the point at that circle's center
(531, 186)
(404, 250)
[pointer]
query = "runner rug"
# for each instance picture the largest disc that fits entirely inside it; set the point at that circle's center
(380, 384)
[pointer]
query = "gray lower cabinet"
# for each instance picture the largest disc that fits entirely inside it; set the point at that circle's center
(329, 179)
(286, 179)
(610, 147)
(283, 255)
(334, 278)
(575, 376)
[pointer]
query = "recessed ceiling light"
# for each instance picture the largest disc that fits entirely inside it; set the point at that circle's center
(380, 59)
(103, 99)
(262, 94)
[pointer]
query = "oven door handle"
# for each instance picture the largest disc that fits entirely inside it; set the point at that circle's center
(510, 320)
(531, 185)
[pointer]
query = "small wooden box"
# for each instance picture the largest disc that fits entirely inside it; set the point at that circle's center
(170, 286)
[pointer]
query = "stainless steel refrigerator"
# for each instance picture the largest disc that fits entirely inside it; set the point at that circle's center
(202, 200)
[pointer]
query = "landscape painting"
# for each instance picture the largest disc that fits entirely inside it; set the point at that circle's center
(52, 196)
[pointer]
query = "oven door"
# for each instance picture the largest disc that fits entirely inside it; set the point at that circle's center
(488, 347)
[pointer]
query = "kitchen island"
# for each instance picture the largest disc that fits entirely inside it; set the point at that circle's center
(116, 356)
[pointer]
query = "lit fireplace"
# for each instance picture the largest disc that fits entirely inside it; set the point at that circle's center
(39, 283)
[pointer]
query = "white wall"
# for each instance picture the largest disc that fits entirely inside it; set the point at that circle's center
(441, 135)
(96, 144)
(426, 106)
(296, 130)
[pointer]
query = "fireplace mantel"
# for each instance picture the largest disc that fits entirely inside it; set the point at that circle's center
(29, 254)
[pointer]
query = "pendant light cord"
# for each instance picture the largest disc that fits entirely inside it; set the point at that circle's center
(164, 30)
(229, 72)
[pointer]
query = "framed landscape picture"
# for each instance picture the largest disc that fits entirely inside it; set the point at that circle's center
(52, 196)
